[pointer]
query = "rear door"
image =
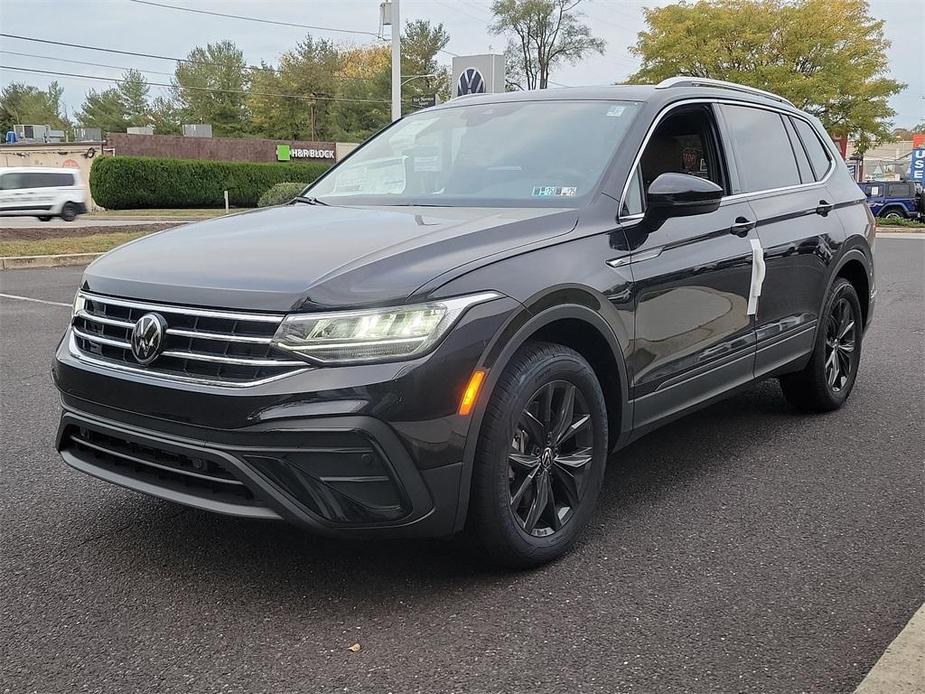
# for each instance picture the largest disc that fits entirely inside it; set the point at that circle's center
(44, 189)
(783, 180)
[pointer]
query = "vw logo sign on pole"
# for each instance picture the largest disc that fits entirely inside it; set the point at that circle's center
(470, 82)
(148, 337)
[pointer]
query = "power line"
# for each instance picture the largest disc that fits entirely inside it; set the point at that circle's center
(255, 19)
(137, 54)
(83, 62)
(202, 89)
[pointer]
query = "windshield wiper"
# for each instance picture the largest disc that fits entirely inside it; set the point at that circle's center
(309, 200)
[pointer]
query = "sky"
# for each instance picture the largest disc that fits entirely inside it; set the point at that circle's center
(132, 26)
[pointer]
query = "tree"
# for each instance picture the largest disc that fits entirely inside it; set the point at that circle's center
(117, 108)
(133, 91)
(310, 72)
(907, 133)
(421, 42)
(827, 56)
(211, 87)
(165, 116)
(103, 110)
(363, 93)
(25, 104)
(541, 35)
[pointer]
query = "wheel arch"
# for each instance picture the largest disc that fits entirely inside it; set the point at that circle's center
(855, 266)
(577, 323)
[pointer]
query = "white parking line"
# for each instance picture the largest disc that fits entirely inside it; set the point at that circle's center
(38, 301)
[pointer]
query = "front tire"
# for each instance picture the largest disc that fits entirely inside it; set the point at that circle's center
(826, 382)
(540, 459)
(44, 218)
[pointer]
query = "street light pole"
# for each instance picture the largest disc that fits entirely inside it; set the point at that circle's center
(396, 61)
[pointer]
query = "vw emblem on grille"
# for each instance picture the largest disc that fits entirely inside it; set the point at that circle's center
(148, 337)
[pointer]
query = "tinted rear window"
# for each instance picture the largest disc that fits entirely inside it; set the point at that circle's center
(47, 180)
(762, 149)
(815, 150)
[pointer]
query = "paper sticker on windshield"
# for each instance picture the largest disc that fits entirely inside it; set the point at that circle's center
(616, 111)
(554, 191)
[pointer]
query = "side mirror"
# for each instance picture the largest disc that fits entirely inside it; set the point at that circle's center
(681, 195)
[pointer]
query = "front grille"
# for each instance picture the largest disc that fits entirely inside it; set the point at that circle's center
(203, 477)
(199, 344)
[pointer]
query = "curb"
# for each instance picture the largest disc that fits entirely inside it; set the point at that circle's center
(29, 261)
(901, 667)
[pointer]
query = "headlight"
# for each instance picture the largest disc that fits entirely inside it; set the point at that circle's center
(379, 334)
(79, 302)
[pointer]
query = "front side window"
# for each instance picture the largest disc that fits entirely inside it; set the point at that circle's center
(762, 149)
(527, 153)
(683, 142)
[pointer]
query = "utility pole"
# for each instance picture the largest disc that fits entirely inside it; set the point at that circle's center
(396, 60)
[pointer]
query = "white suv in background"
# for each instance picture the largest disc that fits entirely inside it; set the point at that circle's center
(42, 192)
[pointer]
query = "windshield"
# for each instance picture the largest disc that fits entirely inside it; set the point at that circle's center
(528, 153)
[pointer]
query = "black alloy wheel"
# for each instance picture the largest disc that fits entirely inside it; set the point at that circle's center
(840, 340)
(827, 380)
(551, 451)
(540, 458)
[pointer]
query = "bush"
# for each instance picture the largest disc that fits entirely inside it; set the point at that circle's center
(280, 193)
(911, 223)
(120, 183)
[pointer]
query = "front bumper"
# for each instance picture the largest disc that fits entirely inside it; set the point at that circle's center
(337, 476)
(345, 451)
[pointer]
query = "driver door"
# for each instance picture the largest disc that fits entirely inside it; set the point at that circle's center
(694, 335)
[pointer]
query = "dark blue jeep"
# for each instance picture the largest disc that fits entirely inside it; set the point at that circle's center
(894, 199)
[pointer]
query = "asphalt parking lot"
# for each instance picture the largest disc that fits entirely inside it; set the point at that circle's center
(742, 549)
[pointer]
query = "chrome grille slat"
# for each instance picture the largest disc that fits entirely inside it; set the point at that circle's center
(199, 344)
(99, 339)
(105, 321)
(197, 356)
(205, 335)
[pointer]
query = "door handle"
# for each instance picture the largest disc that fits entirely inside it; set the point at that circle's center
(824, 208)
(742, 226)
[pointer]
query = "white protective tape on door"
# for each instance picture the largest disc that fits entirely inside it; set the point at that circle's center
(759, 270)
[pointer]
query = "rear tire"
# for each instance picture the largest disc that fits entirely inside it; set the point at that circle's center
(69, 212)
(44, 218)
(540, 458)
(826, 382)
(894, 214)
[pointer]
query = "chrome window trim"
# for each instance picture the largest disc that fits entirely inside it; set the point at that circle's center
(186, 310)
(636, 217)
(173, 378)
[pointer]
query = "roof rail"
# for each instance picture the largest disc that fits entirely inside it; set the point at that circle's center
(681, 81)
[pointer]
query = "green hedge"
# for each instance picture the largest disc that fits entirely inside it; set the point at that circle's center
(280, 193)
(121, 183)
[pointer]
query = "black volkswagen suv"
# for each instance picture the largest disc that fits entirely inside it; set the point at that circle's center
(457, 325)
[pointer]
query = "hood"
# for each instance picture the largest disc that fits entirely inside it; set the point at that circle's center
(310, 256)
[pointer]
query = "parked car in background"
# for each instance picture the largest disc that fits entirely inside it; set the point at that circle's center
(894, 199)
(457, 325)
(42, 192)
